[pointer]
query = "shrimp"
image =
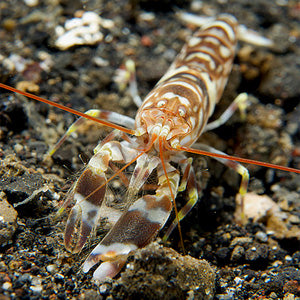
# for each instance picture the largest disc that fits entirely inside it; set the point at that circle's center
(168, 123)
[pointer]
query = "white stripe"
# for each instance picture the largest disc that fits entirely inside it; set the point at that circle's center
(206, 57)
(193, 121)
(147, 103)
(154, 215)
(86, 208)
(210, 50)
(224, 51)
(173, 71)
(182, 83)
(219, 69)
(119, 248)
(200, 117)
(85, 205)
(78, 197)
(170, 95)
(217, 32)
(212, 95)
(194, 41)
(186, 140)
(227, 28)
(212, 39)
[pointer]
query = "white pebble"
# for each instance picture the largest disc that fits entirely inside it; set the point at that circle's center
(288, 258)
(36, 288)
(6, 285)
(90, 17)
(51, 268)
(73, 23)
(31, 3)
(100, 62)
(81, 31)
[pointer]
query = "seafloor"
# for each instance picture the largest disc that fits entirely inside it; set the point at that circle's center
(226, 260)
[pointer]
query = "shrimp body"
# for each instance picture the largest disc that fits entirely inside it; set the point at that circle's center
(168, 122)
(174, 114)
(185, 97)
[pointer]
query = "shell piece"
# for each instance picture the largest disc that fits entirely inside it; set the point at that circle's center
(81, 31)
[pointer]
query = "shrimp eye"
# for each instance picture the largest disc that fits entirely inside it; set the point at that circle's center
(182, 111)
(161, 103)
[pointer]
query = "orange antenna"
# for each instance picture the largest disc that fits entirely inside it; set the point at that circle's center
(171, 193)
(73, 111)
(238, 159)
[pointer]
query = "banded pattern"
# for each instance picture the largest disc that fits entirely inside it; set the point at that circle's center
(135, 228)
(173, 115)
(194, 83)
(170, 120)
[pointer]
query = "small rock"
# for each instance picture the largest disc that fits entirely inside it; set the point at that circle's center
(222, 253)
(273, 295)
(261, 236)
(280, 81)
(155, 267)
(6, 286)
(241, 241)
(81, 31)
(8, 220)
(292, 286)
(289, 296)
(36, 288)
(276, 225)
(51, 268)
(257, 254)
(237, 253)
(257, 207)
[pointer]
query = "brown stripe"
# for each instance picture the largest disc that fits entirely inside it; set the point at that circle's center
(203, 34)
(133, 227)
(152, 202)
(220, 28)
(88, 186)
(200, 85)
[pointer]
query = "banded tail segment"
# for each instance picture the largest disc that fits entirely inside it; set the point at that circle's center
(195, 81)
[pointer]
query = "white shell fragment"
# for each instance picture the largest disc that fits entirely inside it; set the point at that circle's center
(81, 31)
(258, 207)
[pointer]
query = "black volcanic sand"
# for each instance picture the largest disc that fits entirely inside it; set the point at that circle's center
(225, 259)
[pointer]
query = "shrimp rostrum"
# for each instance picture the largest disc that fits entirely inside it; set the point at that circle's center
(168, 122)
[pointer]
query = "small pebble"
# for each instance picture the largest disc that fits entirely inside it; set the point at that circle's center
(103, 289)
(289, 296)
(81, 31)
(18, 148)
(6, 285)
(261, 236)
(59, 276)
(36, 288)
(238, 280)
(273, 295)
(31, 3)
(237, 253)
(288, 258)
(241, 241)
(51, 268)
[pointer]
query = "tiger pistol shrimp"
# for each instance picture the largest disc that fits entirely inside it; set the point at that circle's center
(168, 122)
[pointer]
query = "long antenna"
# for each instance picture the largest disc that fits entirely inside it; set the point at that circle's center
(130, 131)
(239, 159)
(73, 111)
(171, 193)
